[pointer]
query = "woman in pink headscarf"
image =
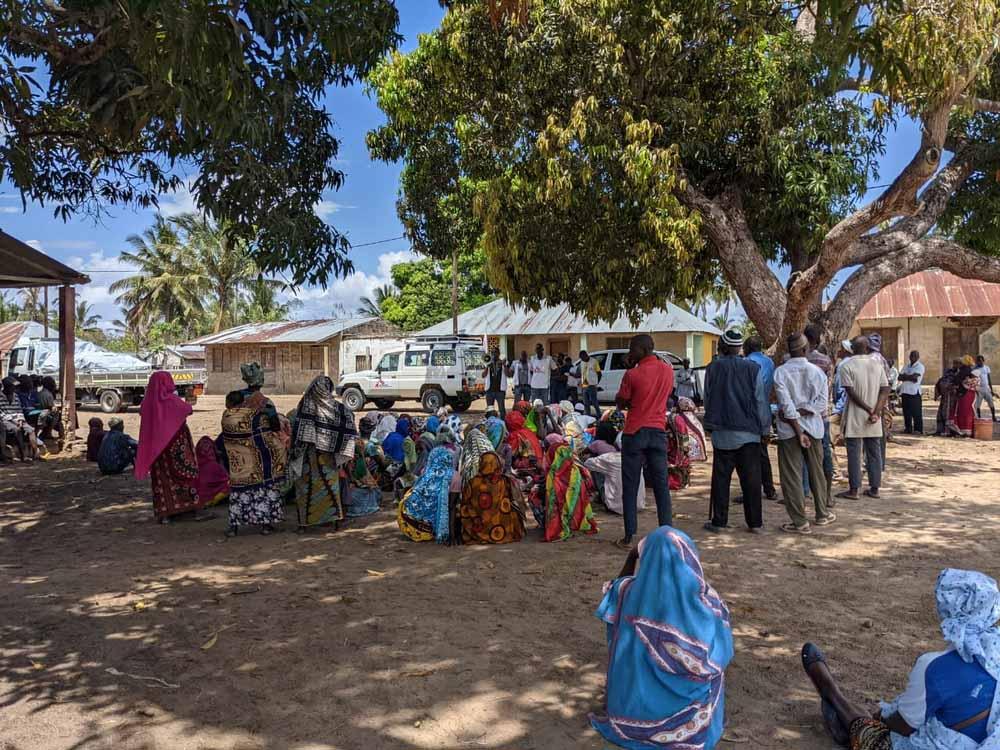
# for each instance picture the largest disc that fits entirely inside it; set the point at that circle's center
(166, 451)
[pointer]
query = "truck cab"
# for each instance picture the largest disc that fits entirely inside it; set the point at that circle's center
(435, 370)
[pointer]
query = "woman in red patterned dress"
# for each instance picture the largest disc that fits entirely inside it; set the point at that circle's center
(166, 451)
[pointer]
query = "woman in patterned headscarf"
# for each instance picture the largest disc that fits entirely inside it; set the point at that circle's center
(424, 514)
(253, 375)
(568, 489)
(951, 701)
(489, 512)
(323, 441)
(257, 456)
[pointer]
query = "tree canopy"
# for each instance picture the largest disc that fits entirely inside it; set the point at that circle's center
(616, 154)
(102, 102)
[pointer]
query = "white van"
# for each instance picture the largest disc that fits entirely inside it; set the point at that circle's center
(436, 370)
(613, 369)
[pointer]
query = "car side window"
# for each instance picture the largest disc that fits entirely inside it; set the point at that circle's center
(618, 361)
(389, 362)
(416, 359)
(443, 357)
(599, 358)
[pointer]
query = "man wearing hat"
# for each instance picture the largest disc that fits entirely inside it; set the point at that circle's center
(801, 388)
(738, 414)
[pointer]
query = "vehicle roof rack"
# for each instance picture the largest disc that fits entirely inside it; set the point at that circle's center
(447, 341)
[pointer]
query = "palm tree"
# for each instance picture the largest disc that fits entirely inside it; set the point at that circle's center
(372, 306)
(9, 309)
(262, 305)
(167, 284)
(721, 321)
(86, 319)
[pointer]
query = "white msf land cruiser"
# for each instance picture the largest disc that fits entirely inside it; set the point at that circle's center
(436, 370)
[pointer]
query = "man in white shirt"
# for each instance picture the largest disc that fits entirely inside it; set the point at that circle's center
(540, 366)
(801, 389)
(911, 378)
(520, 372)
(985, 392)
(867, 388)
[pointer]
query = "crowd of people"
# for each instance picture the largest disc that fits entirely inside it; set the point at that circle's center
(484, 482)
(29, 416)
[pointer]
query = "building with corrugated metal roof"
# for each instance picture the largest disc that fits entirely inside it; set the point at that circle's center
(560, 330)
(293, 352)
(942, 316)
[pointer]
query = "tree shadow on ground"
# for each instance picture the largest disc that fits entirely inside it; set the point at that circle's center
(115, 632)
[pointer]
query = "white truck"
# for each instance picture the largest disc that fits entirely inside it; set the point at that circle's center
(436, 370)
(105, 379)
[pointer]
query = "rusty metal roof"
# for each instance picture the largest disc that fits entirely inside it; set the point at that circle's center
(10, 333)
(497, 318)
(283, 332)
(934, 294)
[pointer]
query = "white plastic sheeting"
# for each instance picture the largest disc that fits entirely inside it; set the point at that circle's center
(89, 358)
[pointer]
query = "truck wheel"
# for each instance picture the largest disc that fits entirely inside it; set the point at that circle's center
(383, 403)
(432, 400)
(110, 401)
(353, 398)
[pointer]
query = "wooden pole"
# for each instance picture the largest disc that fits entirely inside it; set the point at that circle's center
(67, 365)
(454, 291)
(45, 313)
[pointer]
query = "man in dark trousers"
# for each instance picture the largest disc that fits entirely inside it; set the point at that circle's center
(644, 392)
(738, 413)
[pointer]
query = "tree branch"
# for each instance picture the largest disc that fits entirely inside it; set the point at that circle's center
(930, 252)
(742, 263)
(980, 105)
(933, 202)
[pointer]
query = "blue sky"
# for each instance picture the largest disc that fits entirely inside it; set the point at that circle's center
(364, 208)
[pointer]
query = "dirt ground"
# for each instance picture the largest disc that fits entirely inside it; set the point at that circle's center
(119, 633)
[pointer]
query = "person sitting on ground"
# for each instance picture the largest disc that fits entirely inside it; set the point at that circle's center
(213, 480)
(606, 472)
(49, 417)
(364, 496)
(495, 428)
(117, 450)
(95, 436)
(27, 396)
(17, 431)
(670, 641)
(490, 511)
(582, 418)
(568, 490)
(950, 700)
(527, 464)
(423, 514)
(605, 438)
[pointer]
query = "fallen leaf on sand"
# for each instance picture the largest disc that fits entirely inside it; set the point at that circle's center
(214, 638)
(37, 665)
(418, 673)
(119, 529)
(141, 605)
(375, 573)
(734, 738)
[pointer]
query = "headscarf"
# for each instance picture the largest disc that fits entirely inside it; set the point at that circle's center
(670, 642)
(616, 417)
(523, 406)
(685, 404)
(427, 500)
(875, 342)
(968, 604)
(432, 425)
(386, 426)
(252, 374)
(606, 432)
(567, 407)
(519, 436)
(567, 496)
(475, 446)
(574, 435)
(455, 423)
(418, 426)
(496, 431)
(323, 422)
(94, 437)
(445, 436)
(393, 444)
(968, 361)
(213, 480)
(367, 425)
(162, 414)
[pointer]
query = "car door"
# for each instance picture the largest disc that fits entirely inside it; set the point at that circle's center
(413, 372)
(386, 382)
(614, 370)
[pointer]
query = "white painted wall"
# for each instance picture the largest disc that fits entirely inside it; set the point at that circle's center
(374, 347)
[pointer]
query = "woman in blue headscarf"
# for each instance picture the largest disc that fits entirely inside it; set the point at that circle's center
(951, 701)
(424, 512)
(669, 642)
(392, 446)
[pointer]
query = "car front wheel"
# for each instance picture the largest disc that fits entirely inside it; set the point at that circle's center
(353, 398)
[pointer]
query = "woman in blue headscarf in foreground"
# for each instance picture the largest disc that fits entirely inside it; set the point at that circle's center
(951, 701)
(669, 642)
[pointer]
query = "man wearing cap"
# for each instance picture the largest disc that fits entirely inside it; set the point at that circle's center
(801, 388)
(644, 391)
(867, 389)
(738, 414)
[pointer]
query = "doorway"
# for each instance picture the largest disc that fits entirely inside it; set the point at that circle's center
(558, 346)
(958, 342)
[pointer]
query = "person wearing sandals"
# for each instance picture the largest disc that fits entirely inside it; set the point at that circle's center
(951, 701)
(800, 388)
(867, 388)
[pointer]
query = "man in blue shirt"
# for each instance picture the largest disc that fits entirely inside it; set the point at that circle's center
(752, 350)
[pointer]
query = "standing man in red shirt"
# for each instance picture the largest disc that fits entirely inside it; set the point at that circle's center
(644, 392)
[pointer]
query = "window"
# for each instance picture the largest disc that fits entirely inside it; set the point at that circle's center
(443, 357)
(362, 362)
(599, 358)
(389, 362)
(218, 359)
(618, 361)
(316, 357)
(617, 342)
(267, 357)
(416, 359)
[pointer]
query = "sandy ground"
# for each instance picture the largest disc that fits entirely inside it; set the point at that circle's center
(118, 633)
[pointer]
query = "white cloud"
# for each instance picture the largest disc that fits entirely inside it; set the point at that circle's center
(103, 270)
(78, 245)
(325, 209)
(9, 210)
(181, 201)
